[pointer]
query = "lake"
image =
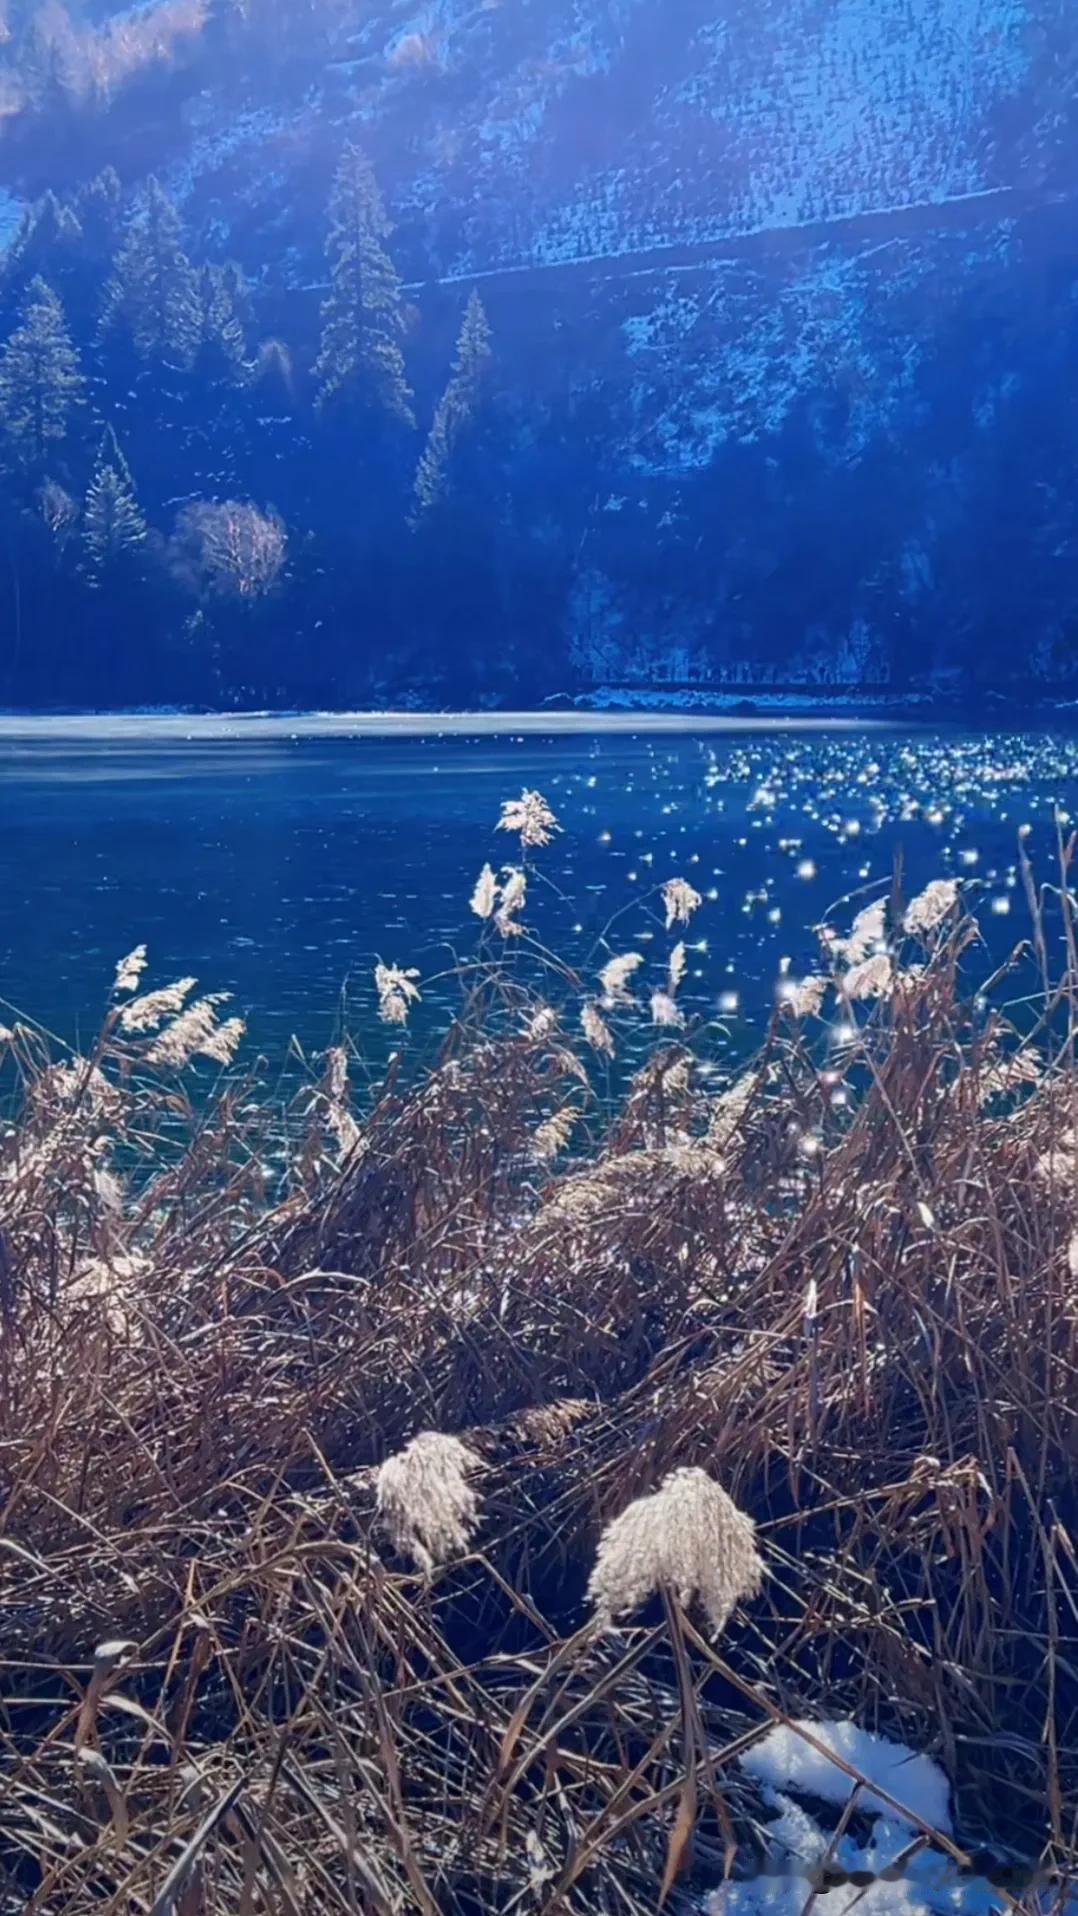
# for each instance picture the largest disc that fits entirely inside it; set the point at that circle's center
(276, 859)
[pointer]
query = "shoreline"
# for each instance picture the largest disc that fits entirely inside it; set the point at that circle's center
(191, 727)
(611, 712)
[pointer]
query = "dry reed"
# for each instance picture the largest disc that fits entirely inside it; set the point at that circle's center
(843, 1287)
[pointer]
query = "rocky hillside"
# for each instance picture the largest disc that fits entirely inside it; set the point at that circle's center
(781, 296)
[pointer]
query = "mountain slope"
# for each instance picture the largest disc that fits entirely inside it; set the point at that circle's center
(782, 295)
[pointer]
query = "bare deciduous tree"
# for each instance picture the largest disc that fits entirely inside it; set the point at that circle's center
(232, 548)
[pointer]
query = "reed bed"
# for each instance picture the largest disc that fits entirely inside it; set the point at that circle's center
(331, 1573)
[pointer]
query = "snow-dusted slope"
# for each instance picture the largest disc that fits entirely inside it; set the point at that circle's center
(805, 265)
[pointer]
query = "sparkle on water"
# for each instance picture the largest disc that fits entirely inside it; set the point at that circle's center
(281, 867)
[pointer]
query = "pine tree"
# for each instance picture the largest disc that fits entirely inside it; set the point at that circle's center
(362, 318)
(111, 453)
(112, 524)
(221, 346)
(40, 378)
(456, 408)
(99, 207)
(238, 288)
(153, 287)
(47, 242)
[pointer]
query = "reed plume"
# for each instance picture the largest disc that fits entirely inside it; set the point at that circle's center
(689, 1537)
(531, 817)
(425, 1500)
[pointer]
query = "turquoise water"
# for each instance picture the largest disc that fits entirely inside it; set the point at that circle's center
(277, 861)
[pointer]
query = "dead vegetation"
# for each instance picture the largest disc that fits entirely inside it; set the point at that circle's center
(303, 1474)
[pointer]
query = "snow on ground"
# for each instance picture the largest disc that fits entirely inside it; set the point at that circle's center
(921, 1883)
(895, 1871)
(785, 1760)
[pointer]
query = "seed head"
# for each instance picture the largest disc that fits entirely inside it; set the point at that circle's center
(130, 969)
(514, 891)
(927, 911)
(597, 1031)
(485, 896)
(681, 900)
(531, 816)
(614, 978)
(425, 1501)
(688, 1537)
(872, 978)
(396, 992)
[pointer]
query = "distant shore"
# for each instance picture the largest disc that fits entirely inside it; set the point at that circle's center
(606, 709)
(133, 727)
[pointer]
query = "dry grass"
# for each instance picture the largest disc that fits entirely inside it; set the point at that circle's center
(841, 1288)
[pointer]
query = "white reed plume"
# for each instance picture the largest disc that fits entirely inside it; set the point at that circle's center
(614, 978)
(76, 1083)
(664, 1011)
(485, 896)
(343, 1127)
(868, 930)
(151, 1010)
(805, 999)
(553, 1134)
(335, 1081)
(729, 1109)
(688, 1537)
(543, 1023)
(130, 970)
(514, 891)
(596, 1031)
(425, 1500)
(334, 1088)
(396, 990)
(614, 1186)
(223, 1041)
(196, 1032)
(531, 816)
(926, 912)
(872, 978)
(675, 970)
(681, 900)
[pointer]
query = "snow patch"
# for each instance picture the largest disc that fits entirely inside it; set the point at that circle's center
(785, 1760)
(907, 1882)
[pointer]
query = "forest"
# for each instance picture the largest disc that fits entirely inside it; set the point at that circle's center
(294, 411)
(118, 344)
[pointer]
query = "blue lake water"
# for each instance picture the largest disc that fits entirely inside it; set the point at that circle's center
(278, 860)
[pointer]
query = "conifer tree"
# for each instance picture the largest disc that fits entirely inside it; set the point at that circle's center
(111, 453)
(456, 408)
(153, 287)
(40, 378)
(99, 207)
(221, 345)
(238, 287)
(362, 318)
(112, 524)
(46, 243)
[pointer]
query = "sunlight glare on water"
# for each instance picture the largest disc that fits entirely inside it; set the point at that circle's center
(279, 867)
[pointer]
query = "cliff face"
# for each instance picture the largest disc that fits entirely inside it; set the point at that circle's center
(783, 300)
